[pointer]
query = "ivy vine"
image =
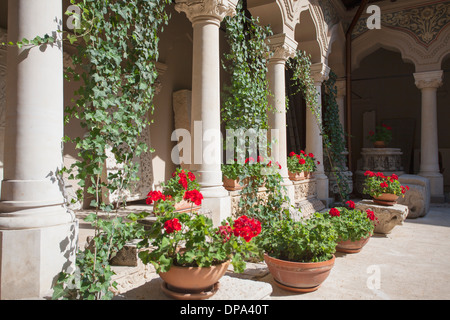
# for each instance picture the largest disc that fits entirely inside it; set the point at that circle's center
(117, 50)
(329, 126)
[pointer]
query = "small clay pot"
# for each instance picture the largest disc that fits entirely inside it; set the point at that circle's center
(297, 176)
(386, 199)
(231, 184)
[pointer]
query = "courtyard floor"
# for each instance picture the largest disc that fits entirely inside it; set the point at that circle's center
(410, 263)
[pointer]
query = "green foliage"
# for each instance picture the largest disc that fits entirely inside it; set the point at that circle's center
(351, 224)
(245, 98)
(301, 162)
(194, 243)
(308, 240)
(117, 49)
(330, 128)
(382, 133)
(376, 184)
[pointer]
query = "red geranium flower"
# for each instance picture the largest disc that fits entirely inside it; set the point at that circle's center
(334, 212)
(154, 196)
(292, 154)
(191, 176)
(384, 185)
(225, 231)
(194, 196)
(172, 225)
(311, 155)
(350, 204)
(370, 214)
(246, 228)
(369, 173)
(301, 161)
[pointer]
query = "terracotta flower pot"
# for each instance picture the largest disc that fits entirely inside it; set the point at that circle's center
(185, 206)
(299, 276)
(349, 246)
(386, 199)
(231, 184)
(297, 176)
(192, 282)
(379, 144)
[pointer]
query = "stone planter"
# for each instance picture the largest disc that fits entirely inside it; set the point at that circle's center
(388, 216)
(299, 276)
(192, 283)
(349, 246)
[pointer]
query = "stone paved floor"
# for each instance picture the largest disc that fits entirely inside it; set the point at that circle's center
(410, 263)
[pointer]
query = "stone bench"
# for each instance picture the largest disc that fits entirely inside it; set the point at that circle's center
(388, 216)
(417, 198)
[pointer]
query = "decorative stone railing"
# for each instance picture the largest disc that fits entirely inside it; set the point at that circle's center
(305, 198)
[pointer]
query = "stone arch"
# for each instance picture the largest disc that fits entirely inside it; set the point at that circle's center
(281, 15)
(337, 53)
(424, 59)
(312, 31)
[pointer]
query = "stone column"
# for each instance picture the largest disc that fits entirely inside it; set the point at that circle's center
(314, 143)
(37, 232)
(428, 83)
(206, 16)
(282, 48)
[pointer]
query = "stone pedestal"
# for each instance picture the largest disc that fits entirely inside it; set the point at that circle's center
(306, 200)
(388, 216)
(385, 160)
(417, 198)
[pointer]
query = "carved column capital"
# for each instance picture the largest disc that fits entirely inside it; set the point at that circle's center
(209, 9)
(282, 47)
(320, 72)
(430, 79)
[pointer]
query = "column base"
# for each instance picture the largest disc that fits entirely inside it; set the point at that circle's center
(322, 189)
(217, 200)
(290, 190)
(31, 259)
(436, 186)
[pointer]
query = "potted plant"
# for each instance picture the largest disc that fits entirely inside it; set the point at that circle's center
(354, 227)
(190, 254)
(384, 190)
(299, 254)
(174, 190)
(231, 175)
(381, 136)
(300, 166)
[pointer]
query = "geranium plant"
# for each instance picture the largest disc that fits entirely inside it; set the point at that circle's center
(190, 239)
(301, 162)
(308, 240)
(381, 133)
(376, 184)
(350, 223)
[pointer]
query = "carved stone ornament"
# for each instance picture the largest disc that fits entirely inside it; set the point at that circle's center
(217, 9)
(432, 79)
(282, 47)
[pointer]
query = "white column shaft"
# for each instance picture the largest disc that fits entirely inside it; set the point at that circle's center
(277, 119)
(429, 136)
(314, 141)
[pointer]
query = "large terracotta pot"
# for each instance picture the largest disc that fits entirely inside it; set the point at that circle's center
(299, 276)
(185, 206)
(349, 246)
(386, 199)
(192, 282)
(297, 176)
